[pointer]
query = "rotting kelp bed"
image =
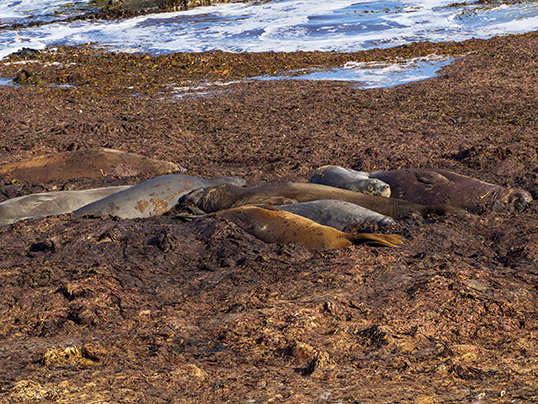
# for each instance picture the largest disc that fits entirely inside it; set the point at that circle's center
(158, 310)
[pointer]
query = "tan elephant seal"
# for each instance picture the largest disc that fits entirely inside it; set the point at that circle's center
(45, 204)
(85, 163)
(229, 196)
(431, 187)
(337, 214)
(273, 225)
(153, 197)
(357, 181)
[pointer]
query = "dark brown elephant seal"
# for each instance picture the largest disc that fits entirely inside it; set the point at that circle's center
(85, 163)
(273, 225)
(431, 187)
(229, 196)
(344, 178)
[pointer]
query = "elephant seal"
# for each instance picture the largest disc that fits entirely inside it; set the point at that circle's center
(431, 187)
(337, 214)
(357, 181)
(153, 197)
(229, 196)
(273, 225)
(85, 163)
(45, 204)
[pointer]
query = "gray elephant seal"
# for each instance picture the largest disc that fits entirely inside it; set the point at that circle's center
(228, 196)
(430, 187)
(337, 214)
(357, 181)
(85, 163)
(45, 204)
(153, 197)
(273, 225)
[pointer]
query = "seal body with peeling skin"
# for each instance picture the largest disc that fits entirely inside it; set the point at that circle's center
(274, 225)
(230, 196)
(45, 204)
(153, 197)
(431, 187)
(344, 178)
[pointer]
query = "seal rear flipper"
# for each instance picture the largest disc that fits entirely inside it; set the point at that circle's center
(387, 240)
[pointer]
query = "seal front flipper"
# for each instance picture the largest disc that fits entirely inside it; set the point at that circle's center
(441, 209)
(431, 178)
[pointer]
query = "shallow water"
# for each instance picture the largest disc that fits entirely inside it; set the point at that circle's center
(278, 25)
(372, 75)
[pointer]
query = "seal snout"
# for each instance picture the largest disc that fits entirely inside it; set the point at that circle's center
(515, 196)
(522, 196)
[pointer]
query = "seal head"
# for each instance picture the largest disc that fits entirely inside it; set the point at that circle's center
(357, 181)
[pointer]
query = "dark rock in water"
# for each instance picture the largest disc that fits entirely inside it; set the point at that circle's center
(27, 52)
(170, 5)
(25, 77)
(148, 5)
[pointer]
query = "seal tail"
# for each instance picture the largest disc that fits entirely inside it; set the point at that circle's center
(387, 240)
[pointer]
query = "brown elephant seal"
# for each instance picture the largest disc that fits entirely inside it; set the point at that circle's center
(337, 214)
(431, 187)
(153, 197)
(273, 225)
(85, 163)
(228, 196)
(45, 204)
(357, 181)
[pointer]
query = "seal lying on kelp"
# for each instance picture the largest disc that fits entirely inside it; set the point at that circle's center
(337, 214)
(431, 187)
(273, 225)
(357, 181)
(84, 163)
(153, 197)
(45, 204)
(229, 196)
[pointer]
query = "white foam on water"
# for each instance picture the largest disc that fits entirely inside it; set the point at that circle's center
(25, 11)
(278, 25)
